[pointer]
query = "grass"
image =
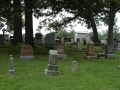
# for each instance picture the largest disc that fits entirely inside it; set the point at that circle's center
(99, 74)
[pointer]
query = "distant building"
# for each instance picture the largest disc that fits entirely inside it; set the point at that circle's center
(82, 35)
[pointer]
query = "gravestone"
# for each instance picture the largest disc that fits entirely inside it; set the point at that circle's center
(118, 44)
(1, 39)
(11, 71)
(90, 54)
(115, 43)
(60, 47)
(13, 41)
(49, 40)
(26, 52)
(79, 46)
(52, 67)
(69, 44)
(109, 51)
(38, 38)
(74, 66)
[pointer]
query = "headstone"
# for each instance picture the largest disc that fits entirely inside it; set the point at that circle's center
(11, 71)
(26, 52)
(90, 51)
(109, 51)
(74, 66)
(69, 44)
(115, 43)
(13, 41)
(38, 38)
(79, 46)
(52, 67)
(118, 44)
(60, 47)
(1, 39)
(49, 40)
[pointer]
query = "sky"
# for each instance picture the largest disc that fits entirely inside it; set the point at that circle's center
(77, 28)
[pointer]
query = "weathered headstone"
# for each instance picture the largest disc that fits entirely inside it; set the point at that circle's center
(52, 67)
(38, 38)
(74, 66)
(79, 46)
(60, 47)
(49, 40)
(90, 54)
(109, 51)
(11, 71)
(26, 52)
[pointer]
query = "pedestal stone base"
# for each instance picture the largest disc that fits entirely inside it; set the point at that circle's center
(27, 57)
(111, 56)
(64, 56)
(11, 73)
(90, 57)
(51, 73)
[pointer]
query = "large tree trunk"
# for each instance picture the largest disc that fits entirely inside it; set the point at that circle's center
(17, 20)
(28, 23)
(111, 22)
(95, 33)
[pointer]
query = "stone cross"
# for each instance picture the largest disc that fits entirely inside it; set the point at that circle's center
(11, 71)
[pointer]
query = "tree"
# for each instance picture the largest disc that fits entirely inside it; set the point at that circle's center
(29, 23)
(17, 20)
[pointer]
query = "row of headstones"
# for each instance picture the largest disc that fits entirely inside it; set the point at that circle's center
(52, 67)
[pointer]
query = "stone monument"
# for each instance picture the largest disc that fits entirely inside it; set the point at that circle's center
(38, 38)
(11, 71)
(26, 52)
(52, 67)
(60, 47)
(90, 54)
(74, 66)
(79, 46)
(109, 51)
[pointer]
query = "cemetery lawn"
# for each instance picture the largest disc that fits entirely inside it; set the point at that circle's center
(98, 74)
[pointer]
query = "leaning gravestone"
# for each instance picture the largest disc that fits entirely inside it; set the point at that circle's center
(26, 52)
(11, 71)
(60, 47)
(52, 68)
(90, 54)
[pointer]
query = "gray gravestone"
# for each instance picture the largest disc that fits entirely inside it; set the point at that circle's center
(52, 68)
(11, 71)
(38, 38)
(118, 44)
(60, 47)
(79, 46)
(109, 51)
(49, 40)
(74, 66)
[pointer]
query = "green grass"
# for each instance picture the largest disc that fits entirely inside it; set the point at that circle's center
(99, 74)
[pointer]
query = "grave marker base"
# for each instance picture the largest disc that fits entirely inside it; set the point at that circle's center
(27, 57)
(90, 57)
(64, 56)
(51, 73)
(11, 73)
(110, 56)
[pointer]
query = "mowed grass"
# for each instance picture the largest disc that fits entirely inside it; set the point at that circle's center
(98, 74)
